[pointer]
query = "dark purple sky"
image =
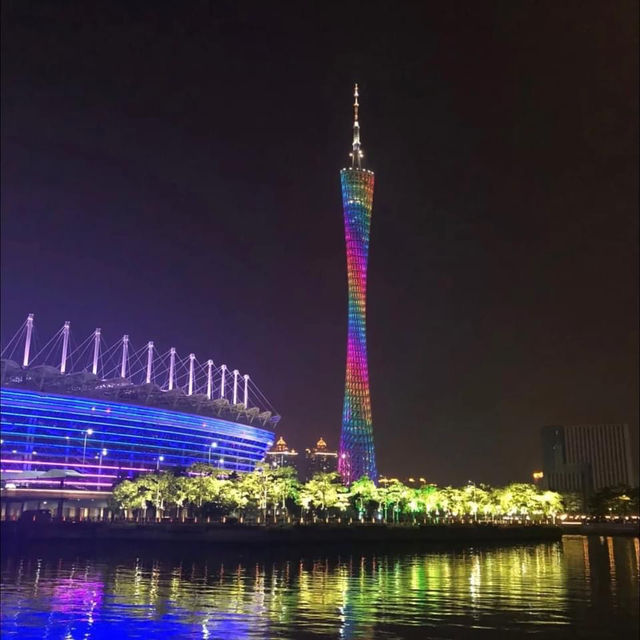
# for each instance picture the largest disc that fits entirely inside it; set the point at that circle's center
(171, 172)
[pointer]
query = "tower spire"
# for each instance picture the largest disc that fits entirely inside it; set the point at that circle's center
(356, 154)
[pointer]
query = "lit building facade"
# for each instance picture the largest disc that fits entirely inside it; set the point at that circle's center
(319, 460)
(357, 453)
(586, 458)
(93, 443)
(281, 456)
(67, 432)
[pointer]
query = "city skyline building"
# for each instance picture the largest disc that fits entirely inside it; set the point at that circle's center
(586, 458)
(281, 456)
(319, 459)
(357, 453)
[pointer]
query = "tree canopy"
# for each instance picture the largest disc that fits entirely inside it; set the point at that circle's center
(275, 495)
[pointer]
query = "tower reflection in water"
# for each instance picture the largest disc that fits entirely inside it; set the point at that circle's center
(542, 588)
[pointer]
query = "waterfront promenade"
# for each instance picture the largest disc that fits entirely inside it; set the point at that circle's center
(242, 534)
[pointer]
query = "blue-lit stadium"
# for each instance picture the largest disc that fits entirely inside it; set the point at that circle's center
(69, 432)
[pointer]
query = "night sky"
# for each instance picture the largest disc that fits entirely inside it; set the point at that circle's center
(171, 171)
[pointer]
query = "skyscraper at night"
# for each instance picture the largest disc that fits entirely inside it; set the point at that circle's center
(357, 454)
(586, 457)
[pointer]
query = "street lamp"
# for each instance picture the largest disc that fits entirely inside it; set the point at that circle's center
(473, 497)
(87, 433)
(213, 445)
(66, 450)
(159, 459)
(103, 453)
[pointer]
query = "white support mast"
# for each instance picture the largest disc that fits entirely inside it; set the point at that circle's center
(149, 361)
(65, 346)
(246, 390)
(172, 366)
(223, 368)
(125, 356)
(192, 358)
(96, 351)
(209, 378)
(27, 340)
(235, 386)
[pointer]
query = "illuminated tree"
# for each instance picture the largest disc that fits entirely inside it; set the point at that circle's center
(518, 499)
(488, 502)
(180, 493)
(551, 503)
(395, 495)
(215, 491)
(452, 501)
(204, 489)
(284, 485)
(476, 500)
(130, 496)
(428, 497)
(321, 491)
(157, 489)
(343, 501)
(573, 502)
(234, 497)
(364, 493)
(257, 488)
(304, 498)
(201, 469)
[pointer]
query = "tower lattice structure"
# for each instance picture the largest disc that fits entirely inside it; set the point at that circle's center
(357, 453)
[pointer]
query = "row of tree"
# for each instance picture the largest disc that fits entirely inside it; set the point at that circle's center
(614, 501)
(273, 495)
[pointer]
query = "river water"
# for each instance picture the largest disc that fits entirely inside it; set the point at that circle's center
(577, 588)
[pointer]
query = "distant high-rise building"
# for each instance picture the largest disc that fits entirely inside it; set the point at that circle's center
(357, 455)
(319, 459)
(281, 456)
(585, 458)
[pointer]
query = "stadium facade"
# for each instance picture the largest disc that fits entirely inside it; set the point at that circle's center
(75, 434)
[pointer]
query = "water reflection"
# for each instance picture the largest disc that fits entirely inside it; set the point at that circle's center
(577, 585)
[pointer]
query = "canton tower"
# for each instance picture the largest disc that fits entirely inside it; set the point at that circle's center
(357, 454)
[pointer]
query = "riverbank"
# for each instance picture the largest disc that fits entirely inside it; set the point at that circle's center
(601, 529)
(16, 533)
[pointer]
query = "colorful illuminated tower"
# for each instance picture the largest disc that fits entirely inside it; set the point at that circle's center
(357, 454)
